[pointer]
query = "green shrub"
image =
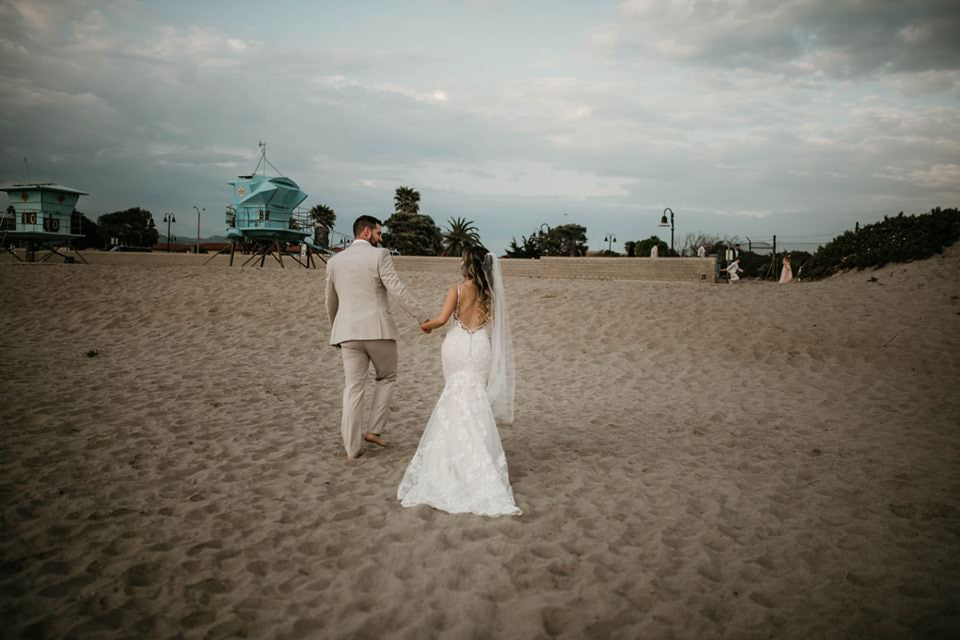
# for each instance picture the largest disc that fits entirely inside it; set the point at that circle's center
(898, 239)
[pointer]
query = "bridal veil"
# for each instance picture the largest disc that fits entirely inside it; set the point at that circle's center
(501, 383)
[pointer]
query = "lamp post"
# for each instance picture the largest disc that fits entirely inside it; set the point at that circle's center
(168, 218)
(610, 239)
(664, 223)
(198, 227)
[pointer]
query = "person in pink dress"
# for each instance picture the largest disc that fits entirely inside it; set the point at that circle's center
(786, 271)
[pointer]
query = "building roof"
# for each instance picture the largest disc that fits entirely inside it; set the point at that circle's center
(43, 186)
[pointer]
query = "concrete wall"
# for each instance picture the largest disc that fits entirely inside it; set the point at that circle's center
(666, 269)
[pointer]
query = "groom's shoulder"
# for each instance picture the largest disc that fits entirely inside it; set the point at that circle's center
(359, 253)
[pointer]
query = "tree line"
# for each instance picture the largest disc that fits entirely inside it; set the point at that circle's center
(133, 227)
(411, 232)
(407, 230)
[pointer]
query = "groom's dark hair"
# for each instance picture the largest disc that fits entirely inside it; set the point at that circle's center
(365, 222)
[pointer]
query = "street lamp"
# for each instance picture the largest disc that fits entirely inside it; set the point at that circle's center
(610, 239)
(168, 218)
(198, 227)
(664, 223)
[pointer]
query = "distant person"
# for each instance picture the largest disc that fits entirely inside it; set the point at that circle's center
(733, 269)
(654, 251)
(701, 251)
(736, 252)
(786, 271)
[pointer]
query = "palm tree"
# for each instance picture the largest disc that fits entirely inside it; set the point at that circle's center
(323, 218)
(462, 234)
(407, 200)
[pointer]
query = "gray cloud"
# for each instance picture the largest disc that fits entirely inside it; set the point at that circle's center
(834, 38)
(694, 112)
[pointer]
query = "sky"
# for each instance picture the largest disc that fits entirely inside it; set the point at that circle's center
(747, 118)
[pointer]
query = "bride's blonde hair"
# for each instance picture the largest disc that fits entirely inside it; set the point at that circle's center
(471, 266)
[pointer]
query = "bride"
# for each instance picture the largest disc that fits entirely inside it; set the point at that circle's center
(460, 466)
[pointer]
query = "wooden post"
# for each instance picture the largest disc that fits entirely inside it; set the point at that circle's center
(773, 260)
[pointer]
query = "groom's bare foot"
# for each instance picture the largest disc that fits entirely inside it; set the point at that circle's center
(375, 439)
(355, 456)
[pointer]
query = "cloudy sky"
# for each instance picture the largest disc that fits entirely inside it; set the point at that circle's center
(746, 117)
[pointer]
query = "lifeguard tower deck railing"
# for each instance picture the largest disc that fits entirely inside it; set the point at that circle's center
(262, 221)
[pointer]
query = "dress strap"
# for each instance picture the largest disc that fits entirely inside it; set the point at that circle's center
(458, 299)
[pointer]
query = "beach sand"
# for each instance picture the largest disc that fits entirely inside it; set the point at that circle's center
(693, 461)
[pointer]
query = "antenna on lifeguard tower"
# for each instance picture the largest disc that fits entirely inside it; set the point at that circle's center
(26, 169)
(263, 160)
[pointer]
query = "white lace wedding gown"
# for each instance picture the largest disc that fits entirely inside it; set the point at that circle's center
(460, 466)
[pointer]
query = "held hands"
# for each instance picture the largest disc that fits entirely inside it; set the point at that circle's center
(425, 327)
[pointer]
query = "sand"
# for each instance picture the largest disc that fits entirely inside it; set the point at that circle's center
(692, 461)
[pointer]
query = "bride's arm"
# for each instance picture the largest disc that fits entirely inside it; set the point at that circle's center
(449, 304)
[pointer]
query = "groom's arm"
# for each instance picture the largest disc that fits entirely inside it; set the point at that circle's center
(332, 299)
(390, 279)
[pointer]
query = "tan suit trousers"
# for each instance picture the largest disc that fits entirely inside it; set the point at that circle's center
(357, 356)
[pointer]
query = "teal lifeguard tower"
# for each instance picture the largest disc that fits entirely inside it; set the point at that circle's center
(44, 218)
(264, 216)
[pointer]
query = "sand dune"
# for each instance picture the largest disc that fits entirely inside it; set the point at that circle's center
(692, 461)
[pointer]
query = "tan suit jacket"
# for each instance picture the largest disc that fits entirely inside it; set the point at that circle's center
(358, 279)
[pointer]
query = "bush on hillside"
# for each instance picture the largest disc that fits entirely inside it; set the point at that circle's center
(898, 239)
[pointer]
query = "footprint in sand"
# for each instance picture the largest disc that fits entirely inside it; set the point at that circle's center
(762, 600)
(209, 544)
(142, 575)
(73, 585)
(197, 619)
(55, 567)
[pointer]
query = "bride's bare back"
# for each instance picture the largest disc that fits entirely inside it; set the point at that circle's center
(472, 315)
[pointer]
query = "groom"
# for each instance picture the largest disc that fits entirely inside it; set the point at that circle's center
(361, 326)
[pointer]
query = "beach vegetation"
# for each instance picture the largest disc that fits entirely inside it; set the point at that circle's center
(564, 240)
(80, 224)
(460, 235)
(901, 238)
(132, 227)
(323, 218)
(412, 234)
(528, 247)
(406, 200)
(642, 248)
(408, 231)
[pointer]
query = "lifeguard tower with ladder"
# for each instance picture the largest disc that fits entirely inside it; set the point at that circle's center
(264, 216)
(44, 217)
